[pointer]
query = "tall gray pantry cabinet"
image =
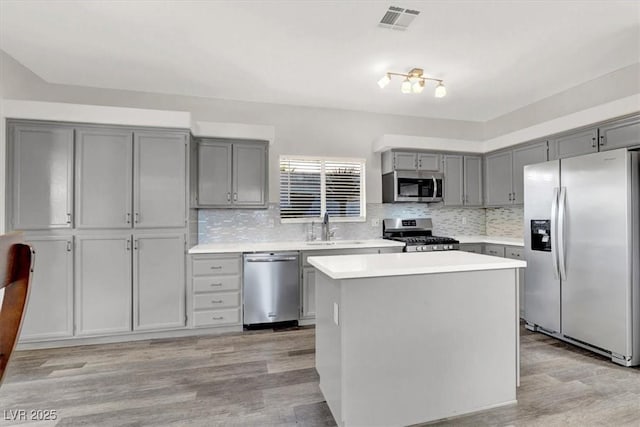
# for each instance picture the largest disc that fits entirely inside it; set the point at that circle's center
(105, 208)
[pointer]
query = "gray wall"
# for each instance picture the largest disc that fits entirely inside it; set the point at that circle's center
(298, 130)
(615, 85)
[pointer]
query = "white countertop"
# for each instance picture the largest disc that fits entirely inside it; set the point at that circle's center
(221, 248)
(403, 264)
(495, 240)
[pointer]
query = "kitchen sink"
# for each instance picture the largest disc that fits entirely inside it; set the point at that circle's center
(335, 242)
(321, 243)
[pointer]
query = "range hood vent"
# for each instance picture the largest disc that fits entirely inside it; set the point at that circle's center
(398, 18)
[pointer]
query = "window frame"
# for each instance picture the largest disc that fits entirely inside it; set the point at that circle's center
(323, 188)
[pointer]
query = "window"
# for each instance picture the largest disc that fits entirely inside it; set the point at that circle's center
(309, 186)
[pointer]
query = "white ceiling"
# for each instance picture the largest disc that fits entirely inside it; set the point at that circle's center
(495, 56)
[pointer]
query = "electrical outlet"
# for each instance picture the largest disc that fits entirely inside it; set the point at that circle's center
(375, 222)
(464, 220)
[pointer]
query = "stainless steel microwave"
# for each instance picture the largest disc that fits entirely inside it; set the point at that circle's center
(412, 186)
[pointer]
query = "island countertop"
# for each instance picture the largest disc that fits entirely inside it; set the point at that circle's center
(403, 264)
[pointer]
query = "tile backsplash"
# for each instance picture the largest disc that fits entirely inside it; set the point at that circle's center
(505, 222)
(235, 225)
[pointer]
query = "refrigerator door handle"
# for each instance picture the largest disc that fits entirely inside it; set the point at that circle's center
(562, 210)
(554, 233)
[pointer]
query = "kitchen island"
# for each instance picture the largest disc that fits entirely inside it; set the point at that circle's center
(415, 337)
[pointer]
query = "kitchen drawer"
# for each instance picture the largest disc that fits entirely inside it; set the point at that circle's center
(217, 317)
(514, 253)
(215, 266)
(216, 301)
(216, 283)
(494, 250)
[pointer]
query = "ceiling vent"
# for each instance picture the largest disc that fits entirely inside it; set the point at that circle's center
(398, 18)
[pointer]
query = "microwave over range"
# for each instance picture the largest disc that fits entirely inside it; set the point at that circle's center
(412, 186)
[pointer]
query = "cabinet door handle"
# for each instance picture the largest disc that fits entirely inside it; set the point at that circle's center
(593, 142)
(602, 140)
(135, 244)
(514, 197)
(68, 218)
(216, 284)
(217, 318)
(69, 246)
(128, 217)
(228, 197)
(128, 244)
(235, 197)
(217, 301)
(137, 218)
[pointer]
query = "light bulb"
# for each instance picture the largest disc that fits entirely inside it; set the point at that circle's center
(441, 91)
(418, 87)
(406, 86)
(384, 81)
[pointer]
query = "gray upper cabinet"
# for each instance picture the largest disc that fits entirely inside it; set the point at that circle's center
(527, 155)
(249, 174)
(159, 281)
(453, 180)
(623, 133)
(575, 144)
(498, 178)
(214, 170)
(103, 178)
(103, 298)
(232, 174)
(42, 176)
(160, 179)
(405, 161)
(472, 180)
(428, 162)
(49, 312)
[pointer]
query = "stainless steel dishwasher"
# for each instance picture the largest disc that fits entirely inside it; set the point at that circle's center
(271, 287)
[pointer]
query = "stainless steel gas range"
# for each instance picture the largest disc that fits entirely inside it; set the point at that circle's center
(417, 234)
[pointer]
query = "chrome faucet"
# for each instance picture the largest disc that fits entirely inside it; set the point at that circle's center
(326, 233)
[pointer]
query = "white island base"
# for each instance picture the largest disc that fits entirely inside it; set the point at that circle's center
(404, 349)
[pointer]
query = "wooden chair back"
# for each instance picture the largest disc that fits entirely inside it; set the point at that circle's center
(15, 272)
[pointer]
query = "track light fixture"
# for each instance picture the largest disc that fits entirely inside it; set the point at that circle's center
(413, 82)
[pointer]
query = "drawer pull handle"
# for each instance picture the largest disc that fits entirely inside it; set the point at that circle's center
(216, 284)
(216, 267)
(217, 318)
(217, 301)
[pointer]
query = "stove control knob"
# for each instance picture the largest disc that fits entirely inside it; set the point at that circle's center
(423, 248)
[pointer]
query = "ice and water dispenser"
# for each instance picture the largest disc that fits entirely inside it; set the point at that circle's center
(541, 235)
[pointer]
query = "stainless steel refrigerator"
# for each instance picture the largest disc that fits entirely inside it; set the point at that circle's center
(581, 247)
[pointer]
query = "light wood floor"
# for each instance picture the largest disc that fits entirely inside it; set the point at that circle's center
(268, 378)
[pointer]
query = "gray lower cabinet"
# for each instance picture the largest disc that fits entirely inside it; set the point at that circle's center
(49, 313)
(216, 290)
(623, 133)
(498, 181)
(160, 179)
(308, 279)
(103, 274)
(476, 248)
(575, 144)
(214, 173)
(518, 253)
(308, 293)
(42, 176)
(232, 174)
(103, 178)
(159, 281)
(527, 155)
